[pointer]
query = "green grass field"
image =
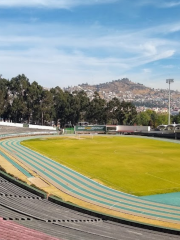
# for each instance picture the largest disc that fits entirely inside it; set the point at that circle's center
(137, 166)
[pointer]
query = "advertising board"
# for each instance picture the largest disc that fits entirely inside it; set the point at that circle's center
(97, 128)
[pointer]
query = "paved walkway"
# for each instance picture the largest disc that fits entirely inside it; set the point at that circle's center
(81, 187)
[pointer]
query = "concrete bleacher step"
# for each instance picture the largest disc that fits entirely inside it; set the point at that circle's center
(10, 188)
(74, 220)
(13, 231)
(54, 220)
(17, 219)
(42, 210)
(3, 181)
(18, 196)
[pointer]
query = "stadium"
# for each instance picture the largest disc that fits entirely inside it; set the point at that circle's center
(42, 198)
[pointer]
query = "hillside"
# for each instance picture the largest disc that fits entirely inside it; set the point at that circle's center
(125, 89)
(118, 86)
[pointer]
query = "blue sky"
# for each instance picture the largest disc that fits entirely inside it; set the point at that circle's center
(69, 42)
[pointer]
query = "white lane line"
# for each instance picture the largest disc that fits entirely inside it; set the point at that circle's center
(162, 178)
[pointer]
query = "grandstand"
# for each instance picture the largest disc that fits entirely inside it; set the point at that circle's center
(18, 130)
(10, 230)
(24, 215)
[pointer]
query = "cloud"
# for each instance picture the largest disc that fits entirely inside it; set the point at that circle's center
(168, 66)
(169, 28)
(52, 3)
(147, 70)
(171, 4)
(51, 67)
(159, 3)
(149, 48)
(57, 54)
(67, 4)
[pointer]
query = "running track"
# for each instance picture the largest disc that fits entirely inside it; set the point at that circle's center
(86, 189)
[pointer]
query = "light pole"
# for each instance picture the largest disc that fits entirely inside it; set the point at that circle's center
(169, 81)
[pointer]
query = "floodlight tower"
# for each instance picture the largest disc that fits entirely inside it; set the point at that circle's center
(169, 81)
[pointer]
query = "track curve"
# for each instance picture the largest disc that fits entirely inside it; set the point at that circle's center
(88, 190)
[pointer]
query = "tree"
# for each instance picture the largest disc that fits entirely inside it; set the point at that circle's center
(126, 113)
(60, 106)
(18, 88)
(77, 103)
(111, 111)
(96, 111)
(83, 104)
(151, 118)
(22, 101)
(34, 94)
(46, 107)
(4, 97)
(176, 119)
(162, 119)
(143, 119)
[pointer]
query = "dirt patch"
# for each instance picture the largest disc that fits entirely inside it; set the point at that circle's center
(38, 182)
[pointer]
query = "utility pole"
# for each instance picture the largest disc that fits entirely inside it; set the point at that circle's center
(169, 81)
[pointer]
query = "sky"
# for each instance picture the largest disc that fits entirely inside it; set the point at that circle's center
(70, 42)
